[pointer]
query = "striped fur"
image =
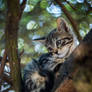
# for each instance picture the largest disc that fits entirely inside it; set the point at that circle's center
(38, 74)
(37, 79)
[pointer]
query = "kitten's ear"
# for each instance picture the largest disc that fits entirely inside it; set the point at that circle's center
(62, 25)
(41, 40)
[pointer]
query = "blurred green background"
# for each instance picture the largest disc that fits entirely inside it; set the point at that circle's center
(39, 18)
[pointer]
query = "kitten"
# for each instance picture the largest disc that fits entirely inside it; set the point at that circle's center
(60, 43)
(37, 79)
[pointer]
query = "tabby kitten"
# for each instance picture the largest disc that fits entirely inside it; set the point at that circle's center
(37, 79)
(60, 41)
(38, 73)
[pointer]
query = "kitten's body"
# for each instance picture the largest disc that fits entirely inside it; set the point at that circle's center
(37, 79)
(60, 43)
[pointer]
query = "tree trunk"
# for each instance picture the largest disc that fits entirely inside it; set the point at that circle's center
(11, 36)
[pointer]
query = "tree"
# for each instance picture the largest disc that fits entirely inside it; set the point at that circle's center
(41, 14)
(14, 12)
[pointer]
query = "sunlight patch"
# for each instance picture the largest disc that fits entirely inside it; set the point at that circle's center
(80, 1)
(54, 10)
(31, 25)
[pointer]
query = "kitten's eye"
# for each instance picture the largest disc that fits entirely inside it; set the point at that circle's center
(58, 43)
(66, 41)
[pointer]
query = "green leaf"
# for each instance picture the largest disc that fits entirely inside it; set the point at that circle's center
(33, 2)
(43, 4)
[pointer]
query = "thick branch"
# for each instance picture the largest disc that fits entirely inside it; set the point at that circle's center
(80, 58)
(74, 24)
(67, 86)
(11, 36)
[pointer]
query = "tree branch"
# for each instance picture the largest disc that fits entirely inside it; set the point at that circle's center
(7, 79)
(21, 53)
(70, 5)
(67, 86)
(5, 60)
(22, 6)
(11, 43)
(80, 59)
(3, 63)
(73, 22)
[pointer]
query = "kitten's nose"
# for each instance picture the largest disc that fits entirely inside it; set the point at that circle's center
(55, 51)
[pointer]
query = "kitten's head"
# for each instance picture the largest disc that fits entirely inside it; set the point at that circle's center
(59, 40)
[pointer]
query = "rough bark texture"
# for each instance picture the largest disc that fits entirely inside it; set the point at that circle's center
(78, 67)
(74, 24)
(67, 86)
(11, 35)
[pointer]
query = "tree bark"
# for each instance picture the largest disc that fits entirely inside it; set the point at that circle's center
(11, 36)
(74, 24)
(80, 60)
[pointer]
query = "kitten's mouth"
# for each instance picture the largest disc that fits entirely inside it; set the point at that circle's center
(63, 54)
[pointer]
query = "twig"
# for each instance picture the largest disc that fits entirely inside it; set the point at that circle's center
(22, 6)
(70, 5)
(3, 63)
(7, 79)
(21, 53)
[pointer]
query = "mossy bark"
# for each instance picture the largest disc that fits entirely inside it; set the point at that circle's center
(11, 35)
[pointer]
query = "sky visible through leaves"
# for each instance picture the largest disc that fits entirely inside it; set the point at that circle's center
(39, 18)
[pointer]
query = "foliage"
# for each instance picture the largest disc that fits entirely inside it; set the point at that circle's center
(39, 18)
